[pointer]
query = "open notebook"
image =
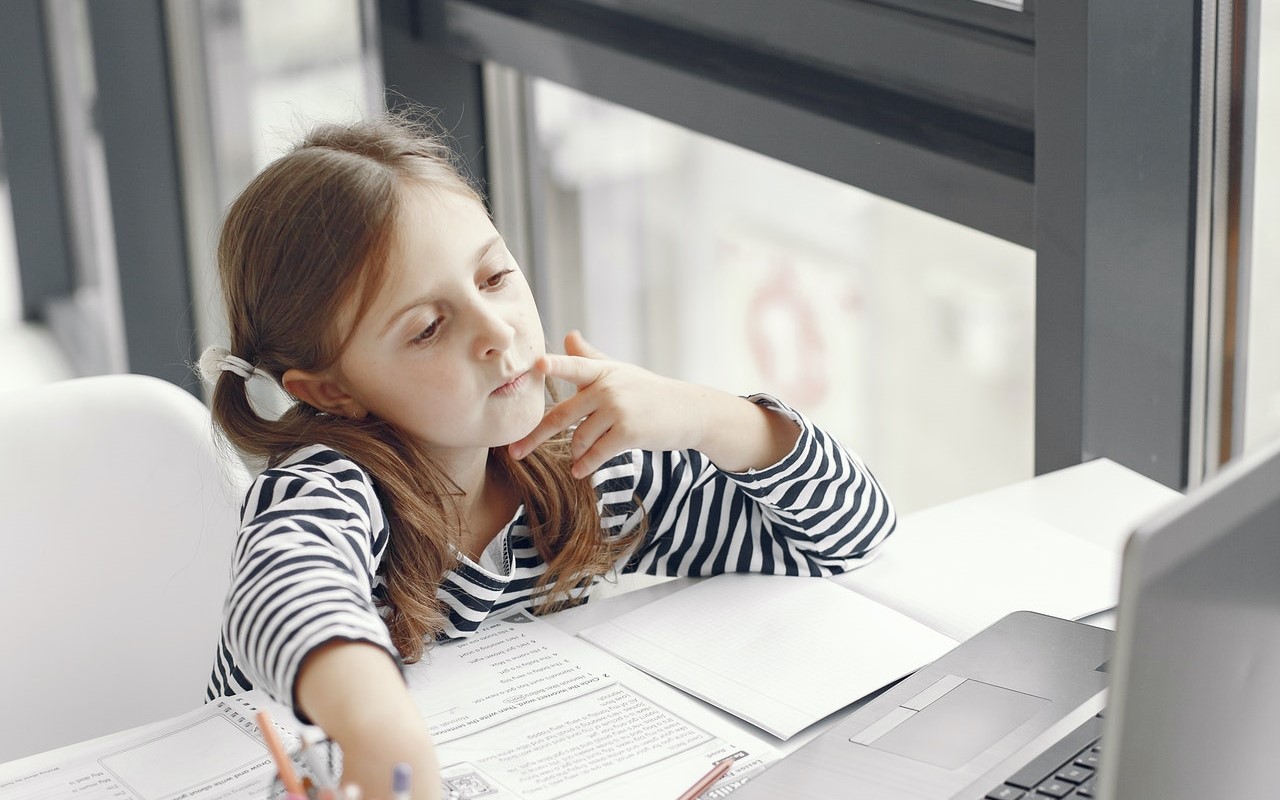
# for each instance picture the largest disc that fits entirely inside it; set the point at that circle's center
(783, 653)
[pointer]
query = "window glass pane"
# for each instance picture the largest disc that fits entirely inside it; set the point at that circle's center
(1262, 378)
(910, 337)
(275, 68)
(308, 59)
(269, 71)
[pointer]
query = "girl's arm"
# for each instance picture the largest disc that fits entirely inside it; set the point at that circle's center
(727, 484)
(301, 625)
(354, 691)
(737, 434)
(817, 511)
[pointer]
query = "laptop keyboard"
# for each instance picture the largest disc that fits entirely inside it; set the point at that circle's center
(1065, 770)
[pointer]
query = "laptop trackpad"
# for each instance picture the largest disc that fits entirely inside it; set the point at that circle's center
(955, 727)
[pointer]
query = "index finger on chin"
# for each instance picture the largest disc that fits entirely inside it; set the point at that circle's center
(557, 418)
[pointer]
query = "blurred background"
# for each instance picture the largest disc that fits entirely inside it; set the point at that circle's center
(911, 335)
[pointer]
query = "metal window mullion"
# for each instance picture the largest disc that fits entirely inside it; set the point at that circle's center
(29, 115)
(202, 204)
(508, 163)
(1210, 242)
(1060, 198)
(1117, 157)
(1245, 118)
(136, 120)
(1227, 80)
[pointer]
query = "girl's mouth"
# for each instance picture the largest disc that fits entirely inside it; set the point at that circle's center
(512, 386)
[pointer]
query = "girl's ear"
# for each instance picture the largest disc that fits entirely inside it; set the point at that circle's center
(323, 393)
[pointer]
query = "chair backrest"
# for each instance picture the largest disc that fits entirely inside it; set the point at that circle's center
(117, 518)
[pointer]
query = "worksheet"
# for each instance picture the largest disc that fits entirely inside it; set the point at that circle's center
(520, 710)
(212, 752)
(523, 710)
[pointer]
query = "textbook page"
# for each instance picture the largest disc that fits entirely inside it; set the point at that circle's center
(959, 572)
(521, 709)
(215, 751)
(779, 652)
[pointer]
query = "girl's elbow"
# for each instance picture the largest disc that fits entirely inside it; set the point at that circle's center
(869, 543)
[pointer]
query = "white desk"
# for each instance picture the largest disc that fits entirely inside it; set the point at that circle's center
(1099, 501)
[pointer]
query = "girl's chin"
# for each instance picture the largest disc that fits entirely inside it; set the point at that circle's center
(521, 428)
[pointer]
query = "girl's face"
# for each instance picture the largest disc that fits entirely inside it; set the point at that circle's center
(445, 348)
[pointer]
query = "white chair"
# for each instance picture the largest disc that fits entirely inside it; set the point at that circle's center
(117, 518)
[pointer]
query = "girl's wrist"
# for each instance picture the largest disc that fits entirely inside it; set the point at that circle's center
(741, 435)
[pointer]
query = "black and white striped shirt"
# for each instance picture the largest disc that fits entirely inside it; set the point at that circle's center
(312, 538)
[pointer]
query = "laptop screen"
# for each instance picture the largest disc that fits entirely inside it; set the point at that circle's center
(1194, 710)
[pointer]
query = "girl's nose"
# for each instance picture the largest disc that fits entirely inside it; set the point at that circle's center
(494, 334)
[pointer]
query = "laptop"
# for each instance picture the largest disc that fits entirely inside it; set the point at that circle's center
(1182, 702)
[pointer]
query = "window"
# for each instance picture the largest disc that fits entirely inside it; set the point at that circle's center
(267, 71)
(909, 336)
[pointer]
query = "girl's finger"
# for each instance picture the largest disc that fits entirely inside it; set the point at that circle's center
(574, 369)
(557, 418)
(610, 444)
(591, 428)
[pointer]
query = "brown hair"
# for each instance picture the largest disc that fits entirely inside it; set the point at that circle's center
(309, 236)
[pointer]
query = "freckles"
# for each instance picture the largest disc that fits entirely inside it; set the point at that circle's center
(533, 328)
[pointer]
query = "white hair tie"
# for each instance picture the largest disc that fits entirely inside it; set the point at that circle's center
(217, 359)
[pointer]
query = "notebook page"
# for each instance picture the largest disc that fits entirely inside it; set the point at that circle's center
(778, 652)
(958, 573)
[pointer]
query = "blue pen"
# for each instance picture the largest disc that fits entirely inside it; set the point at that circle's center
(401, 781)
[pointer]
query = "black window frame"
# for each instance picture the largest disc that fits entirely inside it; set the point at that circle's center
(1070, 127)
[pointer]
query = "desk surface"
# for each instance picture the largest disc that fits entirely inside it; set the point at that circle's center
(1099, 501)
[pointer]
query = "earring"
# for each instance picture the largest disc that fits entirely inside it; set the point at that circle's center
(352, 411)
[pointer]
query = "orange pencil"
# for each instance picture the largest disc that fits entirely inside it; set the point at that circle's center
(706, 781)
(284, 765)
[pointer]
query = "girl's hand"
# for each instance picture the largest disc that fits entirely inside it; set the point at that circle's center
(619, 406)
(353, 690)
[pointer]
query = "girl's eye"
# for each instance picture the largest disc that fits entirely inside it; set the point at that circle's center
(497, 279)
(428, 333)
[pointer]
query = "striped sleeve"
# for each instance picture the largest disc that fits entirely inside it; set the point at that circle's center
(818, 511)
(311, 536)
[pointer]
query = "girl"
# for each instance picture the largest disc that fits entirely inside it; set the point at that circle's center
(419, 481)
